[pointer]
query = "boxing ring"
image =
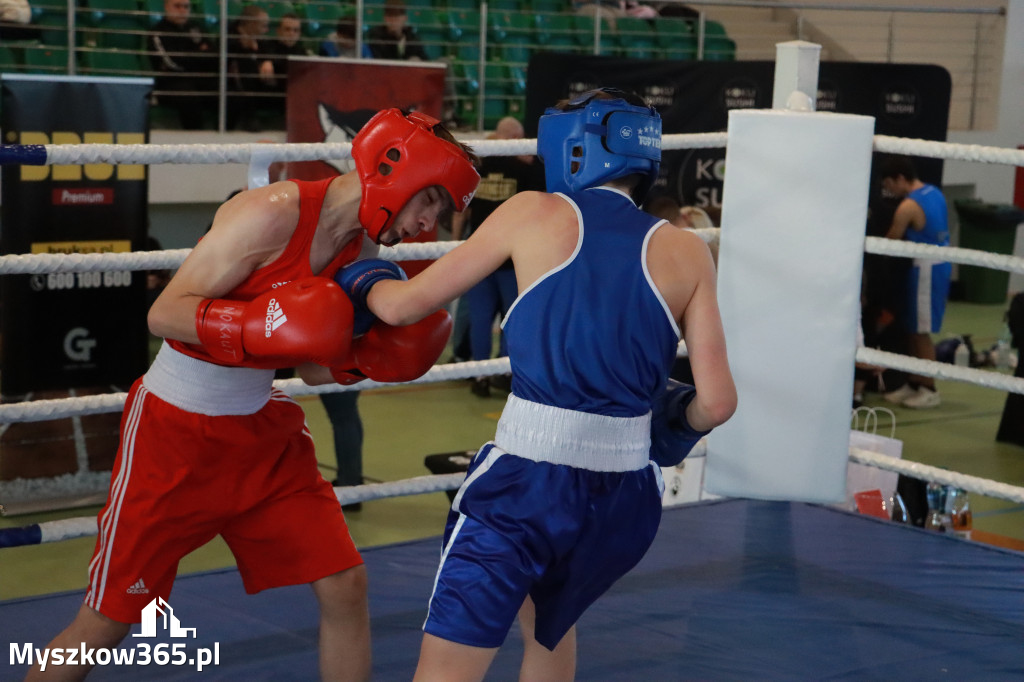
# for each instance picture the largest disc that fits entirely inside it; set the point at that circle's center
(765, 582)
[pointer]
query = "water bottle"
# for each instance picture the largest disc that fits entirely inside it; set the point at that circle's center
(960, 513)
(936, 495)
(899, 509)
(962, 356)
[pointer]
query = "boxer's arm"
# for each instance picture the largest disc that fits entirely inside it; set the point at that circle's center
(701, 325)
(447, 278)
(248, 231)
(908, 215)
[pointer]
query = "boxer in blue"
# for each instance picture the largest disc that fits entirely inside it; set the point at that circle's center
(566, 499)
(921, 217)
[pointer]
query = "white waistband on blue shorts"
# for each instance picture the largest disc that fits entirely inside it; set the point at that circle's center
(205, 388)
(580, 439)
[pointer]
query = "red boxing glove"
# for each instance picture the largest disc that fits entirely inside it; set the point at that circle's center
(394, 354)
(308, 320)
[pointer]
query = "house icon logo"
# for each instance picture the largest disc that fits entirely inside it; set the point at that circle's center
(160, 609)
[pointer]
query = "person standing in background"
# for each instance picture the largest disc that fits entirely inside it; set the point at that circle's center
(921, 217)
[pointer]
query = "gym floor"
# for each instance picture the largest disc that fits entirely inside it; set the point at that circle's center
(405, 424)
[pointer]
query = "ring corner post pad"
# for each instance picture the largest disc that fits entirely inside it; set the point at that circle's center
(790, 258)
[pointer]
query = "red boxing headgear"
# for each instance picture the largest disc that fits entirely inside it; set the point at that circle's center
(396, 156)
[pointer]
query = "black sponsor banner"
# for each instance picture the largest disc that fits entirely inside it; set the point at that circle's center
(906, 100)
(67, 330)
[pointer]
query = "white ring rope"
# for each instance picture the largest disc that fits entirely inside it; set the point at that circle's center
(941, 370)
(948, 150)
(45, 263)
(952, 254)
(60, 408)
(925, 472)
(74, 154)
(67, 529)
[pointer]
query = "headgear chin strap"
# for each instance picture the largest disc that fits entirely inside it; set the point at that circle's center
(396, 156)
(597, 140)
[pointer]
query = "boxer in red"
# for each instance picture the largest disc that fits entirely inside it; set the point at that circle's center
(209, 447)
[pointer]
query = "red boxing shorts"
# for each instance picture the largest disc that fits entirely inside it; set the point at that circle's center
(182, 478)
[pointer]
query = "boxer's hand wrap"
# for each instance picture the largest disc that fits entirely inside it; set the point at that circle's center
(308, 320)
(672, 437)
(356, 280)
(394, 354)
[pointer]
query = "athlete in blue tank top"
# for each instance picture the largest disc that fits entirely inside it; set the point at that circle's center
(566, 499)
(922, 217)
(573, 338)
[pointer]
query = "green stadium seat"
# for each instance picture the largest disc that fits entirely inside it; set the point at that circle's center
(497, 94)
(322, 18)
(467, 52)
(714, 28)
(504, 5)
(372, 16)
(112, 63)
(10, 62)
(719, 49)
(556, 32)
(52, 20)
(461, 4)
(277, 9)
(205, 11)
(547, 6)
(507, 25)
(583, 34)
(463, 25)
(46, 59)
(432, 30)
(676, 39)
(636, 38)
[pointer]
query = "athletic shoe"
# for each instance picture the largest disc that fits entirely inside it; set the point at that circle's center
(897, 397)
(926, 398)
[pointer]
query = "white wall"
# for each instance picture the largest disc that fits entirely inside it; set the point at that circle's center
(994, 183)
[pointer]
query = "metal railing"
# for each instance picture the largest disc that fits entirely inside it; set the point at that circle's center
(487, 49)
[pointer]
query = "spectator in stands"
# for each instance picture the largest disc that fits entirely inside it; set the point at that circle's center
(672, 9)
(250, 68)
(395, 39)
(613, 9)
(342, 43)
(287, 43)
(185, 61)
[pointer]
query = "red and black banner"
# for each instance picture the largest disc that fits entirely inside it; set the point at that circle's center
(68, 330)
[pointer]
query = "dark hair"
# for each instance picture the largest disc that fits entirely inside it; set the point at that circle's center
(895, 166)
(394, 7)
(346, 28)
(442, 132)
(581, 99)
(663, 206)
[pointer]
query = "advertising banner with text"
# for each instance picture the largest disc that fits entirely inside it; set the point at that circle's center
(67, 330)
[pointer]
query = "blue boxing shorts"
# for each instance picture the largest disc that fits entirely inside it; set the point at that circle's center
(927, 292)
(559, 533)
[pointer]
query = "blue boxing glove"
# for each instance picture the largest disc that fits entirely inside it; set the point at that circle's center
(356, 280)
(672, 437)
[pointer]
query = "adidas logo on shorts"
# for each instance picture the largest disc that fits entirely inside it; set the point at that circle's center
(275, 317)
(138, 588)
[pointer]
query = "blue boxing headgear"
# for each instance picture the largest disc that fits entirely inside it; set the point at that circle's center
(597, 140)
